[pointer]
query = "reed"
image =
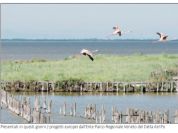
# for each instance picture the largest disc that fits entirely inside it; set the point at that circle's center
(104, 68)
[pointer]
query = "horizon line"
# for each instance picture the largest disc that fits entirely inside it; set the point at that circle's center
(74, 39)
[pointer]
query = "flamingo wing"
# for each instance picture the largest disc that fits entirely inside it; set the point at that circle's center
(91, 57)
(165, 37)
(114, 28)
(119, 33)
(158, 34)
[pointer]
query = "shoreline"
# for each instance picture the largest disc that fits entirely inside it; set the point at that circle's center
(65, 86)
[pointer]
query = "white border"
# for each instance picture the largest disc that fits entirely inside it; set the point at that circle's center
(88, 1)
(146, 128)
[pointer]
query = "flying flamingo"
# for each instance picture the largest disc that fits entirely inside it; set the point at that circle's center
(117, 31)
(162, 36)
(88, 53)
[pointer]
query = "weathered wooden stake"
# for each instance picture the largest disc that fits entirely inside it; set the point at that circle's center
(107, 86)
(162, 86)
(172, 86)
(81, 88)
(112, 118)
(60, 111)
(117, 87)
(176, 117)
(101, 88)
(157, 88)
(74, 109)
(124, 87)
(36, 104)
(121, 118)
(49, 106)
(103, 114)
(64, 109)
(166, 117)
(44, 104)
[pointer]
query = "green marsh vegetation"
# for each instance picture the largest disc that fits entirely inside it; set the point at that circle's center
(137, 67)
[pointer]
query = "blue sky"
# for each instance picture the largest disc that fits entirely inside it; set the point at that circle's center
(79, 21)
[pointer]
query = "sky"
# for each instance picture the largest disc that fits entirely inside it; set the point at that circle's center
(84, 21)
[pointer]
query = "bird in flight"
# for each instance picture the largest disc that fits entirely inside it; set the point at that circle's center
(162, 36)
(117, 31)
(88, 53)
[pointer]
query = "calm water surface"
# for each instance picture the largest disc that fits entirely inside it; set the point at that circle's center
(149, 101)
(20, 50)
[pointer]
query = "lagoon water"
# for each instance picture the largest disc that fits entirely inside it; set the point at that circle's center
(148, 101)
(60, 49)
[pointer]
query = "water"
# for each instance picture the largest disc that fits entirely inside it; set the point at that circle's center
(8, 117)
(149, 101)
(58, 49)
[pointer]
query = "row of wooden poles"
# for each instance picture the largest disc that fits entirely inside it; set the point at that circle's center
(169, 86)
(166, 86)
(41, 113)
(22, 107)
(131, 116)
(90, 112)
(140, 116)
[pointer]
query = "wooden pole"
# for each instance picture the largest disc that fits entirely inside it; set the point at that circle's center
(117, 87)
(49, 106)
(44, 103)
(103, 114)
(101, 88)
(36, 104)
(124, 88)
(87, 86)
(166, 117)
(142, 87)
(157, 89)
(81, 88)
(71, 111)
(162, 86)
(74, 111)
(121, 118)
(176, 117)
(94, 112)
(60, 111)
(112, 118)
(64, 109)
(171, 86)
(97, 117)
(107, 87)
